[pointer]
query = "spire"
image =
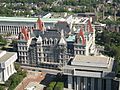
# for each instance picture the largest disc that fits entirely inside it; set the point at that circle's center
(62, 33)
(62, 39)
(25, 33)
(40, 24)
(90, 26)
(82, 35)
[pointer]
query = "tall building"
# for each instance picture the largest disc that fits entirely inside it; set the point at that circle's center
(71, 48)
(50, 46)
(42, 47)
(7, 60)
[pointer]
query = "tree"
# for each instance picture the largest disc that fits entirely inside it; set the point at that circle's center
(2, 87)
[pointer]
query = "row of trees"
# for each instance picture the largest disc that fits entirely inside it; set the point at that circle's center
(79, 2)
(26, 1)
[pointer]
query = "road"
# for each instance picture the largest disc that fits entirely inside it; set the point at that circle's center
(49, 71)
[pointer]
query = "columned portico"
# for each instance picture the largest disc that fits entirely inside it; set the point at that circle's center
(7, 60)
(99, 84)
(108, 84)
(92, 83)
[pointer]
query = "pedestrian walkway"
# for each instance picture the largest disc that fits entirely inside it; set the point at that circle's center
(35, 77)
(50, 71)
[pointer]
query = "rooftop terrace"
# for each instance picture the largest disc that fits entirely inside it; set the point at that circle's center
(91, 61)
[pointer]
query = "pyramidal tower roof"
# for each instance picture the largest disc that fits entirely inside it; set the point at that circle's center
(62, 39)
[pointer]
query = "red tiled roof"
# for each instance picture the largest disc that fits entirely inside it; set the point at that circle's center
(82, 35)
(40, 24)
(24, 31)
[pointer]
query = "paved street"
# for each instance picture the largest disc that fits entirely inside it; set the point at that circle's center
(50, 71)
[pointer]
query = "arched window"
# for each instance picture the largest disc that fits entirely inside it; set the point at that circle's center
(80, 39)
(45, 41)
(50, 41)
(55, 41)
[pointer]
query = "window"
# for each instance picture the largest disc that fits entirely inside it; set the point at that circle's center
(83, 52)
(45, 41)
(55, 41)
(50, 41)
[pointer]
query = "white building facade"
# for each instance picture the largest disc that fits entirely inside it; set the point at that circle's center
(13, 25)
(7, 68)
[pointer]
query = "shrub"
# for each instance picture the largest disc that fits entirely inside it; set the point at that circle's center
(49, 88)
(2, 87)
(59, 86)
(52, 84)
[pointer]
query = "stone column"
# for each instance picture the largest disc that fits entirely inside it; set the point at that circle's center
(79, 87)
(0, 29)
(100, 84)
(70, 82)
(85, 83)
(81, 83)
(78, 83)
(92, 83)
(108, 84)
(75, 80)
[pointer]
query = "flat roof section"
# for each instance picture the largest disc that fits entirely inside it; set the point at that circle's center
(25, 19)
(91, 61)
(6, 56)
(71, 38)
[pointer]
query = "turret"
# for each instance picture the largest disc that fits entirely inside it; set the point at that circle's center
(62, 39)
(63, 50)
(40, 25)
(40, 55)
(24, 34)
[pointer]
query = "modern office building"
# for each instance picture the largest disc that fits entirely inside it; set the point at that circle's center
(90, 73)
(7, 60)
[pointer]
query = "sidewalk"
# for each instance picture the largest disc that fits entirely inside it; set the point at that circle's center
(37, 77)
